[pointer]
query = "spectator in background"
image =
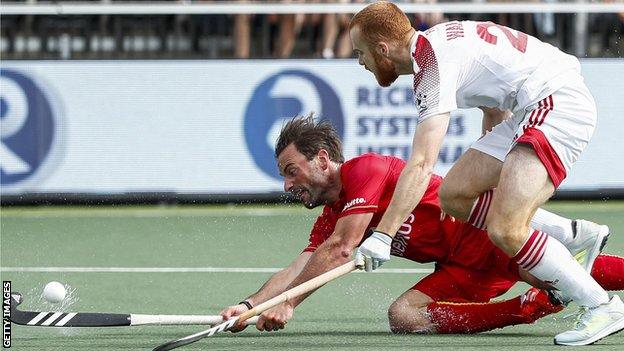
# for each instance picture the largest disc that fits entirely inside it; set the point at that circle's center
(335, 40)
(289, 27)
(610, 28)
(334, 36)
(423, 21)
(544, 23)
(242, 34)
(343, 44)
(329, 29)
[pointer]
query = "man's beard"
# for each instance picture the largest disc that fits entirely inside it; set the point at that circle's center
(312, 203)
(386, 70)
(314, 200)
(314, 197)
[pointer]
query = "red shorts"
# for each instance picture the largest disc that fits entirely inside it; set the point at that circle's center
(558, 128)
(455, 283)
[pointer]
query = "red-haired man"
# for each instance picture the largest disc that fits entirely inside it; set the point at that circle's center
(541, 116)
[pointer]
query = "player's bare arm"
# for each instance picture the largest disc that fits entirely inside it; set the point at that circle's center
(334, 251)
(417, 172)
(279, 282)
(492, 117)
(272, 287)
(409, 190)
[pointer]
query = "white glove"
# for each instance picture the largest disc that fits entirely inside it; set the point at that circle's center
(374, 251)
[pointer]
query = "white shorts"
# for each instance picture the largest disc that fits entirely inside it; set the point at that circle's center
(557, 127)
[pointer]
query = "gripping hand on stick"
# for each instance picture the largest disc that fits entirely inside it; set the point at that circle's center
(233, 311)
(374, 251)
(275, 318)
(298, 290)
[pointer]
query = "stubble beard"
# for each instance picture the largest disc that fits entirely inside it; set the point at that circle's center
(386, 70)
(317, 191)
(314, 199)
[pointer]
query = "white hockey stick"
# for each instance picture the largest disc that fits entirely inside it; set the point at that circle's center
(303, 288)
(95, 319)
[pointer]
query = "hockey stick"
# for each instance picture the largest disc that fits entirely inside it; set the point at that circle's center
(80, 319)
(303, 288)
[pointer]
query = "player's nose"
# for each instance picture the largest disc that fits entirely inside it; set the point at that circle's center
(288, 184)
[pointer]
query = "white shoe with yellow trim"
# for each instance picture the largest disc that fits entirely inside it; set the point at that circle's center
(593, 324)
(589, 240)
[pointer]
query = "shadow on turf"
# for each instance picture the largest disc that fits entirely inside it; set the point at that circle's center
(326, 333)
(308, 340)
(372, 341)
(388, 334)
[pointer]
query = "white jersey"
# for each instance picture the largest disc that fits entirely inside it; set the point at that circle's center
(471, 64)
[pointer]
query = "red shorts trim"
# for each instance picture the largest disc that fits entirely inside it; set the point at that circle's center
(546, 154)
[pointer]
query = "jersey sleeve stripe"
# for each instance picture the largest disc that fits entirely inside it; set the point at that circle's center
(361, 208)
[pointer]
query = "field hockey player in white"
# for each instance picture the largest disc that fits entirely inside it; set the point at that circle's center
(541, 117)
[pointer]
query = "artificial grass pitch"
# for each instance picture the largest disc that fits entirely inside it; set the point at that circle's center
(347, 314)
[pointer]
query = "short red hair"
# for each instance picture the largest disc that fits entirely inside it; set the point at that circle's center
(381, 21)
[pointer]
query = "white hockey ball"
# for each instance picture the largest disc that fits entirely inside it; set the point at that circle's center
(54, 292)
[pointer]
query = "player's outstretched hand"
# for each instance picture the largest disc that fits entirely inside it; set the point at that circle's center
(233, 311)
(374, 251)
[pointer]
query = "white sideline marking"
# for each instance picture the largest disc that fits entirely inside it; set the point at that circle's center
(183, 270)
(159, 212)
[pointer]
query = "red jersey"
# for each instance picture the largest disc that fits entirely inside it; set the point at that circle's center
(368, 182)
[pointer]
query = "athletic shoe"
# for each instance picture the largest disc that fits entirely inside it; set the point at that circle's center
(536, 303)
(593, 324)
(589, 240)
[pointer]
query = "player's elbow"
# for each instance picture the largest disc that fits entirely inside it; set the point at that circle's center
(421, 165)
(344, 252)
(341, 251)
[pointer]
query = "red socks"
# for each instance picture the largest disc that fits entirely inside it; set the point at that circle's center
(608, 271)
(462, 318)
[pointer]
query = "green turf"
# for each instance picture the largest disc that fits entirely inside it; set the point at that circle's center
(349, 314)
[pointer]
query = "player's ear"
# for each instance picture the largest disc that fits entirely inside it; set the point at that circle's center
(323, 157)
(383, 48)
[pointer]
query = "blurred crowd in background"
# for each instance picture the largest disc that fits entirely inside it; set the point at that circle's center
(258, 36)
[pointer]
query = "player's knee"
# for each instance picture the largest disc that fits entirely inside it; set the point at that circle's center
(496, 228)
(396, 318)
(404, 319)
(502, 227)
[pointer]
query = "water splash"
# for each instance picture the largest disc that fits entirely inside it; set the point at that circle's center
(36, 302)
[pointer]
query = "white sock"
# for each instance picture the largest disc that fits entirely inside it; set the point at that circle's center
(549, 261)
(555, 226)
